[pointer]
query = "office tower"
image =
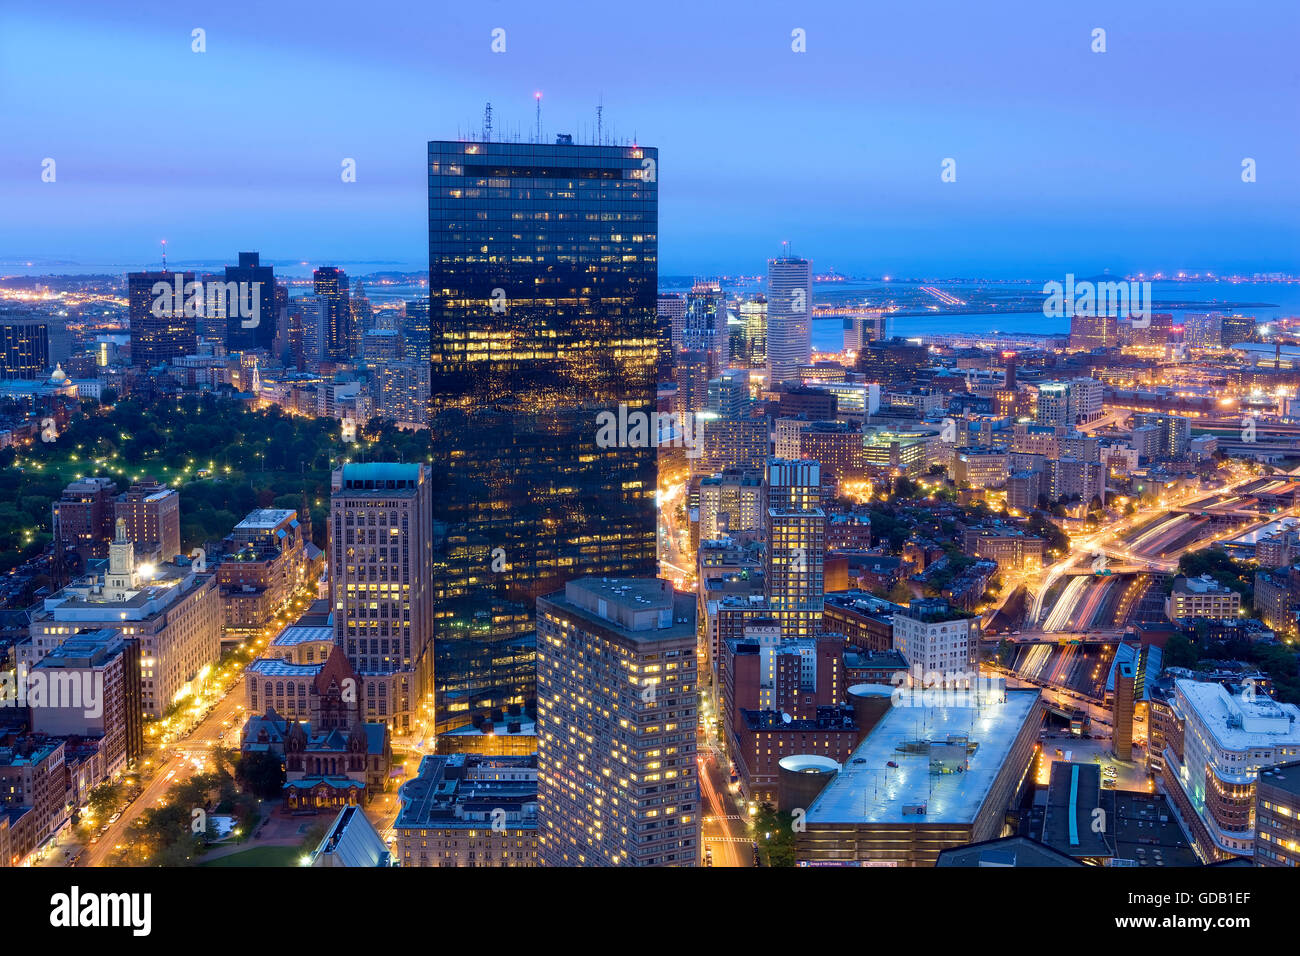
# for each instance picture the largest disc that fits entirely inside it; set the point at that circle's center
(861, 330)
(380, 552)
(893, 362)
(24, 345)
(331, 284)
(415, 330)
(616, 725)
(672, 306)
(706, 324)
(261, 287)
(1086, 395)
(796, 546)
(380, 346)
(161, 334)
(1237, 328)
(543, 272)
(310, 316)
(693, 377)
(1094, 332)
(1053, 406)
(363, 318)
(663, 349)
(728, 394)
(403, 388)
(1277, 816)
(753, 332)
(83, 517)
(789, 318)
(152, 513)
(1122, 709)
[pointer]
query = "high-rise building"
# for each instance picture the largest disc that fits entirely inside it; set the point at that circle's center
(789, 318)
(363, 316)
(309, 318)
(107, 664)
(693, 379)
(1277, 816)
(331, 284)
(1122, 709)
(1175, 433)
(162, 326)
(152, 513)
(24, 345)
(1053, 404)
(381, 577)
(753, 332)
(261, 289)
(616, 725)
(893, 361)
(672, 306)
(706, 325)
(731, 503)
(1237, 328)
(415, 330)
(861, 330)
(403, 392)
(1094, 332)
(84, 515)
(543, 282)
(796, 546)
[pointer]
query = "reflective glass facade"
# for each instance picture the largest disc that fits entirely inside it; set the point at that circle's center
(543, 272)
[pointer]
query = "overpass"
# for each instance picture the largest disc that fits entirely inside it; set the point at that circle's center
(1105, 635)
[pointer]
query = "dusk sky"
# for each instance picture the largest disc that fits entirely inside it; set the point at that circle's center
(1066, 160)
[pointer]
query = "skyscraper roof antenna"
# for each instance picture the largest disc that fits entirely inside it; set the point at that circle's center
(164, 245)
(538, 97)
(487, 122)
(600, 121)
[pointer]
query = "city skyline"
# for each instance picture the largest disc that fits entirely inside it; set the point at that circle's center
(1086, 162)
(759, 437)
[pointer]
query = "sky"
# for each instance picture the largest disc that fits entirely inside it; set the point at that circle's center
(1066, 159)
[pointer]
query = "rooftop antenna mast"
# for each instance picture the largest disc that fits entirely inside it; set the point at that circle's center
(600, 121)
(487, 123)
(164, 245)
(538, 97)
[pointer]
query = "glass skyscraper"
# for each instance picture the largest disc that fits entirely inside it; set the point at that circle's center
(543, 272)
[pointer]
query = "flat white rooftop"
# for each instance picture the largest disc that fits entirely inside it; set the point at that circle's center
(266, 518)
(868, 790)
(1238, 723)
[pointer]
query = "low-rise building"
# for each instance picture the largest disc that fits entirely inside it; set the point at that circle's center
(1201, 597)
(469, 809)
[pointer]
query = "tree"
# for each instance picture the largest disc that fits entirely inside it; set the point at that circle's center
(261, 773)
(1181, 652)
